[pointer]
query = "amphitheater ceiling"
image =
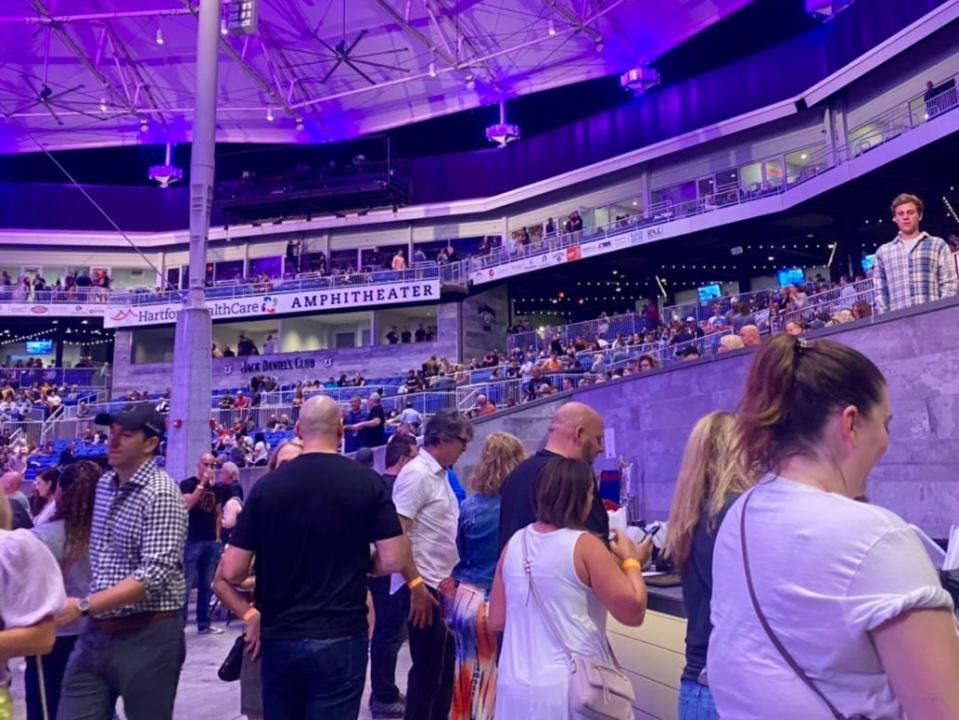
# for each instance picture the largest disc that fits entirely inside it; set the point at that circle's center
(92, 73)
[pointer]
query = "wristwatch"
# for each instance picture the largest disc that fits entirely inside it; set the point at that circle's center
(84, 607)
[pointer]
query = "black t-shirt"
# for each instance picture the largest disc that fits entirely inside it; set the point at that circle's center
(390, 480)
(697, 579)
(201, 522)
(374, 436)
(310, 524)
(517, 509)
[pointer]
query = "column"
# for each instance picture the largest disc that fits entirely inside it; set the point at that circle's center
(188, 431)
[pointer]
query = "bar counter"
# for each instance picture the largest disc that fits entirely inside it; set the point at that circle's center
(653, 655)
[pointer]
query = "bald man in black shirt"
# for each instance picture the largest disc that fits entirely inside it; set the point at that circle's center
(576, 432)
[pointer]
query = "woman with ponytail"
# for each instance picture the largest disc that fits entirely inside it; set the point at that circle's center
(823, 605)
(710, 479)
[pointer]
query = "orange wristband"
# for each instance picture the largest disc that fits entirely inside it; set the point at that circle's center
(415, 583)
(249, 614)
(631, 563)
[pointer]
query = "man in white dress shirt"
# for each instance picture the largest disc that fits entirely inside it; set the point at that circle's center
(429, 514)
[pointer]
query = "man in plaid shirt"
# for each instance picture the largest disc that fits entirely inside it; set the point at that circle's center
(132, 646)
(914, 268)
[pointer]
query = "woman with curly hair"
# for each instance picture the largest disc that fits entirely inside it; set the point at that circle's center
(67, 536)
(466, 594)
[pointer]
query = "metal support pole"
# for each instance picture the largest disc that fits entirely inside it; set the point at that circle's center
(188, 433)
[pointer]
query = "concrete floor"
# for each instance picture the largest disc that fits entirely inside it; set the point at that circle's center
(201, 693)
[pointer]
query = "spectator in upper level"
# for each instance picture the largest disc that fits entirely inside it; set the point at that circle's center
(750, 335)
(228, 352)
(293, 256)
(392, 336)
(420, 333)
(246, 346)
(399, 261)
(242, 401)
(418, 255)
(406, 336)
(83, 281)
(648, 362)
(915, 267)
(269, 345)
(549, 228)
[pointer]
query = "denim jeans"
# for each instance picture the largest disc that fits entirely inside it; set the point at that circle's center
(389, 632)
(314, 679)
(696, 702)
(199, 564)
(141, 666)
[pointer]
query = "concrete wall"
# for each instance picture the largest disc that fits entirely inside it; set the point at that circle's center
(485, 317)
(649, 417)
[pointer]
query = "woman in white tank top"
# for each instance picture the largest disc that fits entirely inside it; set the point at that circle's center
(578, 580)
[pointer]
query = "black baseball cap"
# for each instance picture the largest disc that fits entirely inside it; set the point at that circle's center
(141, 416)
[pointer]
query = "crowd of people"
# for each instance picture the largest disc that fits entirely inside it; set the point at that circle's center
(74, 286)
(495, 592)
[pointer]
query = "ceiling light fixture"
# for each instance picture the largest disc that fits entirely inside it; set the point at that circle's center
(552, 28)
(103, 105)
(159, 36)
(269, 114)
(432, 69)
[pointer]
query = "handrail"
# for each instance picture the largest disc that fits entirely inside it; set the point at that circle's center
(48, 423)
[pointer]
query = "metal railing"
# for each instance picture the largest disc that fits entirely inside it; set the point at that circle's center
(826, 306)
(306, 281)
(80, 377)
(72, 296)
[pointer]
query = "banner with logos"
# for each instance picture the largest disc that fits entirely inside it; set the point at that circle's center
(600, 246)
(269, 304)
(51, 309)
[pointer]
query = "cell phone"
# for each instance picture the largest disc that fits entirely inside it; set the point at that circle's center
(651, 530)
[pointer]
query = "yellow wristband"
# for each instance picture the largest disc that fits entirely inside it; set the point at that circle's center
(249, 614)
(415, 583)
(631, 563)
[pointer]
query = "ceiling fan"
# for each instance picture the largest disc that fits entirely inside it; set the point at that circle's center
(51, 100)
(344, 53)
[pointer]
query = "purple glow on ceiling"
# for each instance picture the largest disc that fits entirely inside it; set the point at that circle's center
(389, 78)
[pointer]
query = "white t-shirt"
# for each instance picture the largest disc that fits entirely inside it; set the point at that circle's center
(423, 494)
(31, 586)
(827, 570)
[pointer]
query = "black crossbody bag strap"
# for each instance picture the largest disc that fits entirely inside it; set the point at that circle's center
(765, 623)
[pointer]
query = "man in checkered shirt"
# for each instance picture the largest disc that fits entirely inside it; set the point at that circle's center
(916, 267)
(132, 646)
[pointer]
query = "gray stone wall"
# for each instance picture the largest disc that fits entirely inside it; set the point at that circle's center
(650, 415)
(485, 317)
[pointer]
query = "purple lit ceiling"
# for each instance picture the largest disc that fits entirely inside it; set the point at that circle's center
(88, 73)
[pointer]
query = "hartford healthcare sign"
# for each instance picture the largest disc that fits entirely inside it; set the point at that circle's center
(304, 301)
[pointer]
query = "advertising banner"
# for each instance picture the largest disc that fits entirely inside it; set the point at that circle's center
(24, 309)
(269, 304)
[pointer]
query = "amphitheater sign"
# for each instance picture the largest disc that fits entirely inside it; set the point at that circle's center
(279, 303)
